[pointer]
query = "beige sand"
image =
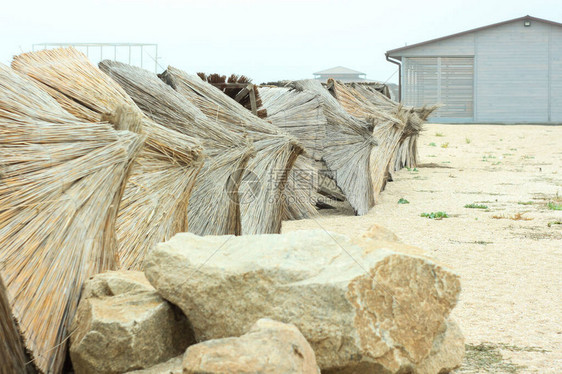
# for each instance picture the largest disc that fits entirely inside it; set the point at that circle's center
(511, 270)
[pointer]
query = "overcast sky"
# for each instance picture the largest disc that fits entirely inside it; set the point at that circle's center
(266, 40)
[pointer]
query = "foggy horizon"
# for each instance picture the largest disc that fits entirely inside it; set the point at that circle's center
(264, 40)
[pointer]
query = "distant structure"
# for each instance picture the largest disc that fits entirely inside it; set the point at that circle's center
(507, 72)
(342, 74)
(138, 54)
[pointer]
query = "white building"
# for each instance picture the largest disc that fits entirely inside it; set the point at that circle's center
(508, 72)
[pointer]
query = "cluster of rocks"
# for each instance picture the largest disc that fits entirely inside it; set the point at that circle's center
(301, 302)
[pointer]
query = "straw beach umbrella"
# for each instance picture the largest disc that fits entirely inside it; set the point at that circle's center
(154, 204)
(60, 181)
(346, 147)
(300, 114)
(406, 154)
(388, 129)
(213, 207)
(262, 189)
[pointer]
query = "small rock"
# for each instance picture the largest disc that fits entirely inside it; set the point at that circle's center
(270, 347)
(122, 324)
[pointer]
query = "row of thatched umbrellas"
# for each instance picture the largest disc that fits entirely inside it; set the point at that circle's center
(97, 165)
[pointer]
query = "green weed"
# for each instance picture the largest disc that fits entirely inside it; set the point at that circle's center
(435, 215)
(476, 206)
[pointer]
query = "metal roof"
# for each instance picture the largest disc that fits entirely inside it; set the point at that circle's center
(525, 18)
(339, 70)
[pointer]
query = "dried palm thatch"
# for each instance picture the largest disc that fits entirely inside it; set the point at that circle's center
(347, 143)
(388, 129)
(213, 207)
(261, 195)
(60, 181)
(300, 114)
(12, 350)
(154, 204)
(220, 81)
(406, 154)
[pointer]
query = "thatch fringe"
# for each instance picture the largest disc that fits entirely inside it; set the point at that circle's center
(300, 114)
(213, 207)
(262, 202)
(388, 129)
(406, 154)
(154, 204)
(346, 147)
(60, 180)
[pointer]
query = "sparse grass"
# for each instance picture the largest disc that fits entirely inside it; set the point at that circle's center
(435, 215)
(403, 201)
(445, 145)
(440, 135)
(415, 170)
(525, 202)
(554, 206)
(431, 156)
(486, 357)
(554, 223)
(432, 144)
(497, 163)
(476, 206)
(515, 217)
(445, 162)
(467, 140)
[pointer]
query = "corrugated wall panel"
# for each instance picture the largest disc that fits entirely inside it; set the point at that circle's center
(512, 70)
(555, 74)
(444, 80)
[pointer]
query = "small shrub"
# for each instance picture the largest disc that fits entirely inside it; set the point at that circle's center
(467, 140)
(432, 144)
(445, 145)
(554, 206)
(435, 215)
(403, 201)
(438, 134)
(476, 206)
(554, 223)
